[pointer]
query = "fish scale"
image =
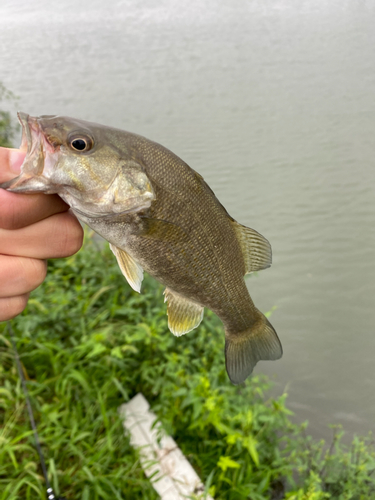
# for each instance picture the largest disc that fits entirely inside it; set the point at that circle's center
(227, 280)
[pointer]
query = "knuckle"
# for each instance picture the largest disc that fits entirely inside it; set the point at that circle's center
(71, 236)
(8, 219)
(35, 273)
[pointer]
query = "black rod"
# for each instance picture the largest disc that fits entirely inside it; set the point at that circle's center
(50, 493)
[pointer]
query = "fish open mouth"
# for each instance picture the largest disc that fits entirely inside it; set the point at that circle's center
(31, 144)
(35, 145)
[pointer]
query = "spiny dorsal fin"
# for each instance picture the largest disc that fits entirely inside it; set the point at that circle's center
(256, 250)
(183, 315)
(132, 271)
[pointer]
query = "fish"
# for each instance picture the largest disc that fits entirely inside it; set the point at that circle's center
(159, 216)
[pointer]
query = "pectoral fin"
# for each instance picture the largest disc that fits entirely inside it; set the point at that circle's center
(256, 250)
(183, 315)
(132, 271)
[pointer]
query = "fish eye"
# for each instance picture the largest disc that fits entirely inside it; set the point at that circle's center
(81, 143)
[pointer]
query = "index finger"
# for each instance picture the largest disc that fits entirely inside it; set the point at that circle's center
(20, 210)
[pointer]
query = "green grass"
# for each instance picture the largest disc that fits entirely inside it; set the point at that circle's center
(8, 128)
(88, 343)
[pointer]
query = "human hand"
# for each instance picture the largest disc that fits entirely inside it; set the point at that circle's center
(33, 227)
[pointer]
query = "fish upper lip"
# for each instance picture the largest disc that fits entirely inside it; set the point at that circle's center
(26, 141)
(31, 132)
(34, 143)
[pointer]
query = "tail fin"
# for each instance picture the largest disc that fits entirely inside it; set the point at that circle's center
(245, 349)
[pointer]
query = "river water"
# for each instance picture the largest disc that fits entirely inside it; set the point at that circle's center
(273, 102)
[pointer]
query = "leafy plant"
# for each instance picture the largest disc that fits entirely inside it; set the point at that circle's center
(88, 343)
(7, 128)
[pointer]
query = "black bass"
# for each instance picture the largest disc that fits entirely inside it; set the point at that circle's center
(158, 215)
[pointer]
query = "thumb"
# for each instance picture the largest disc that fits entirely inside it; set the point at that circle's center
(10, 163)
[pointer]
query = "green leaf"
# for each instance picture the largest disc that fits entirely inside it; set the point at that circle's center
(251, 444)
(97, 349)
(227, 463)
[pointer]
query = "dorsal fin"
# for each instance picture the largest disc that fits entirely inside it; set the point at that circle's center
(132, 271)
(183, 315)
(256, 250)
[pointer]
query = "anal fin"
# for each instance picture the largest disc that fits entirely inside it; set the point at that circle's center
(132, 271)
(183, 315)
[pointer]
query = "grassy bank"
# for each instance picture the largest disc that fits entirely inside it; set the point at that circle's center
(88, 343)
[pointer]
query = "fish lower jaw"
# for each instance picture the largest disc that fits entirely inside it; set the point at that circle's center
(29, 184)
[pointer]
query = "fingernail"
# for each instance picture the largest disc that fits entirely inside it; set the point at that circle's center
(15, 160)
